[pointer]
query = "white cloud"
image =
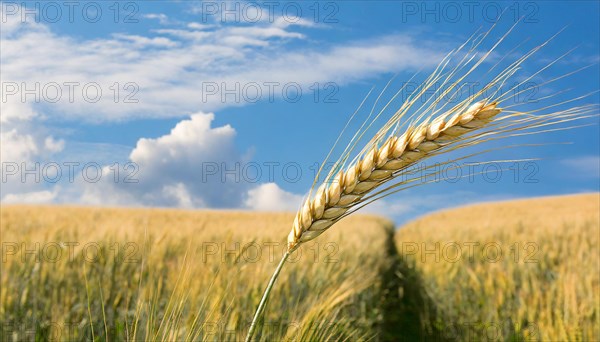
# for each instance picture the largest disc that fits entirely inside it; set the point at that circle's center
(162, 18)
(185, 168)
(105, 192)
(270, 197)
(262, 32)
(17, 147)
(169, 65)
(13, 111)
(185, 34)
(140, 41)
(188, 140)
(52, 145)
(38, 197)
(22, 140)
(181, 195)
(199, 26)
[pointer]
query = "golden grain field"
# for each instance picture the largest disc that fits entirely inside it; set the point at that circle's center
(152, 274)
(521, 270)
(518, 270)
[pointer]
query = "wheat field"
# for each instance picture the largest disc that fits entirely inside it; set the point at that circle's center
(85, 273)
(153, 274)
(524, 269)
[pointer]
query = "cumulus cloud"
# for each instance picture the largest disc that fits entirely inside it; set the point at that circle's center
(195, 165)
(270, 197)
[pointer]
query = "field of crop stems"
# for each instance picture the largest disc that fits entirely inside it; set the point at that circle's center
(525, 270)
(520, 270)
(151, 274)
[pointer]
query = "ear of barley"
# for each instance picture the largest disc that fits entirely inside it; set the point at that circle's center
(381, 164)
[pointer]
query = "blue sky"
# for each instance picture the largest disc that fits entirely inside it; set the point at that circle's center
(173, 131)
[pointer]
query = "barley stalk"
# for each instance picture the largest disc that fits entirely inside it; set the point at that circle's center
(263, 300)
